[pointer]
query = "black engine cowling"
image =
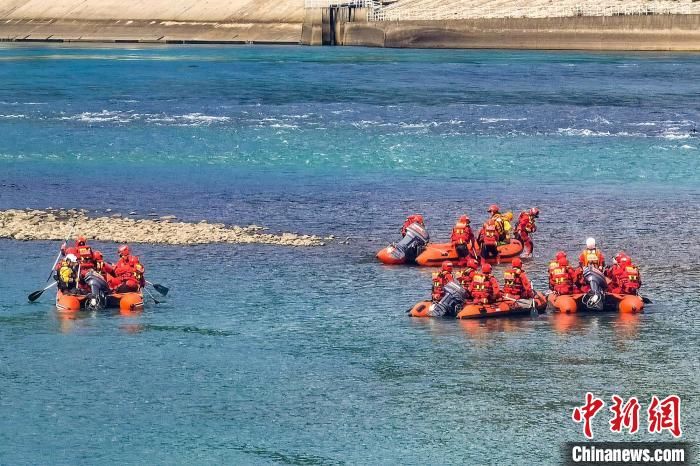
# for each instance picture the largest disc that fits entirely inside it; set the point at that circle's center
(99, 289)
(412, 244)
(452, 302)
(595, 299)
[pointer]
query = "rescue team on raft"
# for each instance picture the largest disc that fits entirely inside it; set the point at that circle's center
(590, 285)
(124, 276)
(496, 230)
(499, 239)
(483, 288)
(564, 279)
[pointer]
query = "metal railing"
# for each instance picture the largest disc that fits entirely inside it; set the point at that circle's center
(335, 3)
(427, 11)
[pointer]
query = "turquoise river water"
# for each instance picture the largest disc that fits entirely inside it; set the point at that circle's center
(269, 355)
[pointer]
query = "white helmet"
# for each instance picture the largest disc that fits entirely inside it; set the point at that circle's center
(590, 243)
(71, 258)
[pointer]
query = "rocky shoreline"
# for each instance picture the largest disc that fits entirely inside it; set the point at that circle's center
(55, 224)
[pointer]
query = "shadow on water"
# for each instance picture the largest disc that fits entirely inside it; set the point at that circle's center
(625, 326)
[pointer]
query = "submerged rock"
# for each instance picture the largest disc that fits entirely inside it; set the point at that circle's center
(27, 225)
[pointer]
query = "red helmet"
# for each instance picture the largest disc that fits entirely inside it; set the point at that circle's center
(563, 261)
(97, 255)
(472, 263)
(560, 254)
(535, 212)
(465, 219)
(80, 241)
(625, 259)
(124, 250)
(493, 208)
(517, 263)
(447, 266)
(486, 268)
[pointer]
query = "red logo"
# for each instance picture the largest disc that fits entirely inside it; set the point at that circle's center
(661, 415)
(665, 415)
(587, 412)
(626, 416)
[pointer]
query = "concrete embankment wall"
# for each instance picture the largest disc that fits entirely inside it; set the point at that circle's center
(651, 33)
(286, 21)
(236, 21)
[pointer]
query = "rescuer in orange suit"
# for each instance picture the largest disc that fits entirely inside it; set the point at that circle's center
(410, 220)
(562, 278)
(128, 272)
(515, 282)
(626, 278)
(592, 256)
(440, 279)
(488, 239)
(526, 226)
(463, 237)
(465, 278)
(484, 287)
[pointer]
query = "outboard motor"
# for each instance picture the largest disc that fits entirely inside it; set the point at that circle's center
(595, 299)
(412, 244)
(451, 303)
(97, 297)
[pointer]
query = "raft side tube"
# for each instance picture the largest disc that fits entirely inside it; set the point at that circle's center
(436, 253)
(421, 309)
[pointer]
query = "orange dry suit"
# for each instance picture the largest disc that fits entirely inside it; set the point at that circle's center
(466, 277)
(408, 222)
(488, 237)
(440, 279)
(128, 275)
(516, 284)
(463, 239)
(626, 279)
(562, 279)
(526, 225)
(484, 288)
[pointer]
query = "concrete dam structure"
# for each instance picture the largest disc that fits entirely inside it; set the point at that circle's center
(654, 25)
(160, 21)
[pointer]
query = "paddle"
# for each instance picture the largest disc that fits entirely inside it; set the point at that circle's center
(151, 295)
(647, 300)
(163, 290)
(65, 241)
(34, 296)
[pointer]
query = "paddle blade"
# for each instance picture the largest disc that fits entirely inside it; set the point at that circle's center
(34, 296)
(161, 289)
(647, 300)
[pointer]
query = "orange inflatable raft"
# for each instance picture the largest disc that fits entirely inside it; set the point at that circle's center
(436, 253)
(572, 303)
(504, 308)
(124, 301)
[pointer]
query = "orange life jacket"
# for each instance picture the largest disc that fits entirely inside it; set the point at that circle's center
(482, 288)
(490, 233)
(513, 284)
(628, 279)
(466, 277)
(560, 278)
(123, 269)
(85, 256)
(460, 234)
(592, 257)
